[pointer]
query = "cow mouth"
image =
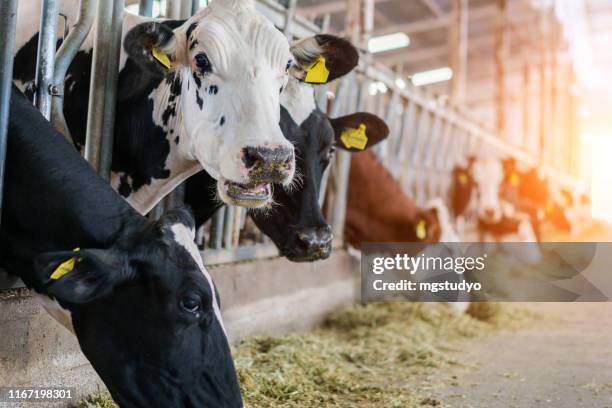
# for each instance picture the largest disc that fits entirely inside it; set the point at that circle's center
(246, 195)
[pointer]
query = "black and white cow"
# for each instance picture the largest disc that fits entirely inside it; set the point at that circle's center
(215, 107)
(141, 303)
(476, 189)
(295, 222)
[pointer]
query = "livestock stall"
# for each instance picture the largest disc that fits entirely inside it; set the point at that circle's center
(472, 78)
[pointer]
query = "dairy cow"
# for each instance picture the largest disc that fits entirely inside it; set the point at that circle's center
(141, 304)
(200, 93)
(378, 210)
(477, 189)
(295, 221)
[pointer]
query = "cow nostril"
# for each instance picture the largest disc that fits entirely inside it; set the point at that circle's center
(250, 157)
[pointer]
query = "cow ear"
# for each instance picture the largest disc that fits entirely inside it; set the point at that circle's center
(359, 131)
(322, 58)
(156, 47)
(81, 276)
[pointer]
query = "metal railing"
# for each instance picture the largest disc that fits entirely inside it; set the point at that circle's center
(427, 136)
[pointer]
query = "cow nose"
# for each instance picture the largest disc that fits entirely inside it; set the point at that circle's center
(268, 165)
(489, 213)
(258, 156)
(316, 241)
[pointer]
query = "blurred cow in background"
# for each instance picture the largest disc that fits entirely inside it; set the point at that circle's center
(378, 210)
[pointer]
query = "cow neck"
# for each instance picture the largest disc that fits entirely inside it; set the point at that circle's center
(395, 212)
(55, 201)
(172, 162)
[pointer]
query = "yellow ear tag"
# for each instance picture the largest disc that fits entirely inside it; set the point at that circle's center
(463, 178)
(550, 207)
(356, 138)
(421, 229)
(64, 268)
(317, 73)
(514, 179)
(162, 57)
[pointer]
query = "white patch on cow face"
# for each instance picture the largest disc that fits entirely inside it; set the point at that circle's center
(232, 102)
(185, 237)
(299, 100)
(488, 175)
(447, 231)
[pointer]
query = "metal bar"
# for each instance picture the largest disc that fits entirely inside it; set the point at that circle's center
(145, 8)
(289, 16)
(47, 40)
(341, 173)
(103, 87)
(228, 226)
(239, 254)
(216, 229)
(63, 58)
(195, 6)
(8, 19)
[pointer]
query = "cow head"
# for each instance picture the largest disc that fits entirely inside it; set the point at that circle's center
(147, 309)
(225, 68)
(315, 137)
(488, 175)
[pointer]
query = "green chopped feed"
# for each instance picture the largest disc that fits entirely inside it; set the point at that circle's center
(367, 356)
(97, 400)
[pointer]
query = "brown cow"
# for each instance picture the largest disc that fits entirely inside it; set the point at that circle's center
(378, 210)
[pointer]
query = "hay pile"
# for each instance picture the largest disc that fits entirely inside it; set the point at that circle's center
(367, 356)
(364, 357)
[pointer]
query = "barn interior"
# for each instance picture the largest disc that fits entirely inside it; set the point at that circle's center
(452, 79)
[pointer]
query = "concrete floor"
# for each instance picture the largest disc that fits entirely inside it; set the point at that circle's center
(563, 361)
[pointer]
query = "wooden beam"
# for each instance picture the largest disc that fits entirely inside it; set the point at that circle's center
(332, 7)
(500, 75)
(409, 55)
(458, 49)
(434, 7)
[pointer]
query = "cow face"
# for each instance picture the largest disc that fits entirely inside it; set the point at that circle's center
(315, 137)
(488, 175)
(147, 310)
(228, 66)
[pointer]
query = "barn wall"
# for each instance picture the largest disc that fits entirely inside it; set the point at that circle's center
(271, 296)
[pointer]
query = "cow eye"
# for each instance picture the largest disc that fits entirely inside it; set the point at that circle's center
(203, 63)
(288, 65)
(191, 303)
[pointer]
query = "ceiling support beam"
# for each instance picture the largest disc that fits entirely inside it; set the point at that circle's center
(458, 49)
(434, 7)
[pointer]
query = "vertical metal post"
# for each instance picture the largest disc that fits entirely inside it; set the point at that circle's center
(63, 59)
(195, 6)
(145, 8)
(8, 18)
(103, 87)
(543, 25)
(458, 48)
(46, 54)
(216, 229)
(289, 16)
(228, 226)
(500, 72)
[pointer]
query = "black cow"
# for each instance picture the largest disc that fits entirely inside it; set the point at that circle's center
(295, 223)
(142, 306)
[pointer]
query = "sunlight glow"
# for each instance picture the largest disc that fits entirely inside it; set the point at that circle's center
(601, 165)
